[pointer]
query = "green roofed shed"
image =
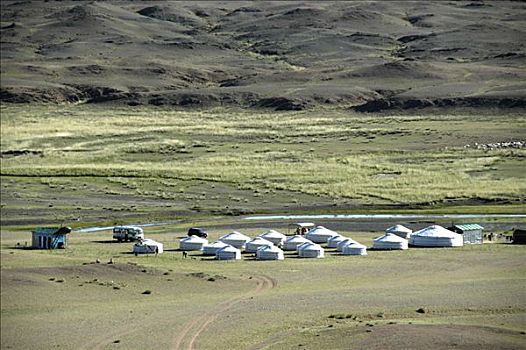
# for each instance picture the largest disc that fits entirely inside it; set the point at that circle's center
(472, 233)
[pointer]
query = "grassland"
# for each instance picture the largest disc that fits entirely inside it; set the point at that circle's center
(94, 164)
(472, 296)
(81, 165)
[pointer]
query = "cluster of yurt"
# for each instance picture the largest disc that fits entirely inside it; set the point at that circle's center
(271, 244)
(266, 246)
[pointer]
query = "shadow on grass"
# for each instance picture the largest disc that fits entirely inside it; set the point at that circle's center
(110, 241)
(23, 247)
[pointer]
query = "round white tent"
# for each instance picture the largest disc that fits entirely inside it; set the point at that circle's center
(320, 234)
(400, 231)
(274, 236)
(300, 246)
(269, 253)
(255, 243)
(212, 248)
(334, 240)
(192, 243)
(147, 246)
(354, 249)
(235, 239)
(436, 236)
(311, 250)
(390, 241)
(292, 242)
(228, 253)
(344, 243)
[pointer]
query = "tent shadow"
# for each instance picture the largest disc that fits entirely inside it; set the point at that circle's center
(109, 241)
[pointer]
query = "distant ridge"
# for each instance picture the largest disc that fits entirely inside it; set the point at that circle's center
(368, 56)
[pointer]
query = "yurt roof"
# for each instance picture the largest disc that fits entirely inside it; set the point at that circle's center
(347, 240)
(337, 238)
(356, 245)
(148, 241)
(194, 239)
(235, 235)
(269, 248)
(228, 248)
(398, 228)
(217, 244)
(312, 246)
(435, 231)
(304, 244)
(260, 240)
(390, 237)
(321, 230)
(272, 233)
(297, 238)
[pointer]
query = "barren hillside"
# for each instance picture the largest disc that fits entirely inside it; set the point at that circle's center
(281, 55)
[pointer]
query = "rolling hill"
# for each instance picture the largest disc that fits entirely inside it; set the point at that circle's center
(369, 56)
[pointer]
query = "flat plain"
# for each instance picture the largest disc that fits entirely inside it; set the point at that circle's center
(471, 297)
(88, 165)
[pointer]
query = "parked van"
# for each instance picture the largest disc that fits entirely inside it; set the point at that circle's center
(127, 233)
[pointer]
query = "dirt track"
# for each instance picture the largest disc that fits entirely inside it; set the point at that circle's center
(187, 337)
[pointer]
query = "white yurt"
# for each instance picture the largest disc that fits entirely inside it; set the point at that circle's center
(228, 253)
(344, 243)
(354, 249)
(300, 246)
(192, 243)
(400, 231)
(274, 236)
(212, 248)
(255, 243)
(390, 241)
(436, 236)
(311, 250)
(235, 239)
(320, 234)
(269, 253)
(147, 246)
(334, 240)
(293, 241)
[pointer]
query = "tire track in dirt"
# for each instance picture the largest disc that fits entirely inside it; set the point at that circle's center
(187, 337)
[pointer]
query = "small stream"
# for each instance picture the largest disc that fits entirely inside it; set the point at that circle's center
(329, 216)
(105, 228)
(382, 216)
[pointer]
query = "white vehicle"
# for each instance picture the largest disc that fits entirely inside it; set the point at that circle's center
(127, 233)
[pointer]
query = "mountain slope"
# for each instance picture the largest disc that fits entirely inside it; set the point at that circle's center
(282, 55)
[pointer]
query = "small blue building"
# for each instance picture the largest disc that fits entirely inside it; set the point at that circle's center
(50, 237)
